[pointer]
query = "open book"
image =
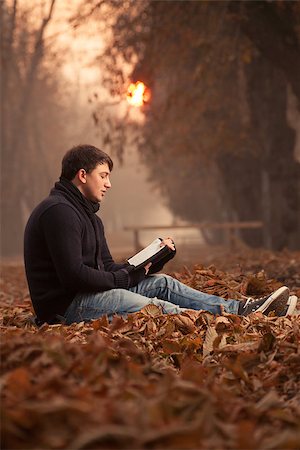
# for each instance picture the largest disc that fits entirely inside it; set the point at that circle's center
(154, 252)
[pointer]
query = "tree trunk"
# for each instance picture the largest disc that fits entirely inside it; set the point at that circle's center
(12, 229)
(17, 163)
(268, 92)
(265, 184)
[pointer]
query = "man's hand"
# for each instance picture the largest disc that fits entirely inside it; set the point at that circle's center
(168, 242)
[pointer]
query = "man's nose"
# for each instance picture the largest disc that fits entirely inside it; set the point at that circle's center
(108, 183)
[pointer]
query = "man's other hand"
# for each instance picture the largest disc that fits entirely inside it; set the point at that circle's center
(147, 267)
(168, 242)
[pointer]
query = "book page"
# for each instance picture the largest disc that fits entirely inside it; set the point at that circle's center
(146, 253)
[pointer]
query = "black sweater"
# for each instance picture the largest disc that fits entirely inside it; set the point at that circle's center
(66, 252)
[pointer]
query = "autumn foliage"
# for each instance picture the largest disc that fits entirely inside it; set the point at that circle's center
(155, 381)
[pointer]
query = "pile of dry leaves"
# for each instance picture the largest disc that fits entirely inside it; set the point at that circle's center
(152, 381)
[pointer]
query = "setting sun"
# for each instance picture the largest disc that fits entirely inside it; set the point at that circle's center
(137, 94)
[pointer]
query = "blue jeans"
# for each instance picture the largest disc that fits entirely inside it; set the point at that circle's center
(161, 290)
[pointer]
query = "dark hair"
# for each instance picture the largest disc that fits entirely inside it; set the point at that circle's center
(85, 157)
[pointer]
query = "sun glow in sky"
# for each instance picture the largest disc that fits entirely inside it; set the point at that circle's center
(80, 47)
(137, 94)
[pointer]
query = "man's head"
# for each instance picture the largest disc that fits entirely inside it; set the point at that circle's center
(85, 157)
(89, 169)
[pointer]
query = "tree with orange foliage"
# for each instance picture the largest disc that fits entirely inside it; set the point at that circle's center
(220, 130)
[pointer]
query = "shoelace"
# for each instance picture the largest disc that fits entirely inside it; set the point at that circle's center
(252, 300)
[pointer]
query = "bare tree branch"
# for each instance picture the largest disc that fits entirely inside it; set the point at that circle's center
(12, 24)
(80, 17)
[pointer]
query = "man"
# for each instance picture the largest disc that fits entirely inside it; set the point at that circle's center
(70, 271)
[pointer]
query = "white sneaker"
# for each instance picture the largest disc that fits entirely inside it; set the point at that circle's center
(276, 302)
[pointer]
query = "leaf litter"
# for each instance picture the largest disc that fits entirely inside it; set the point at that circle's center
(189, 381)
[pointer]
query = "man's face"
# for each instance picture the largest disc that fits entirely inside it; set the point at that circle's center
(96, 183)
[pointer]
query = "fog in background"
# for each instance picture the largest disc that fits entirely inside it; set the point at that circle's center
(73, 87)
(218, 142)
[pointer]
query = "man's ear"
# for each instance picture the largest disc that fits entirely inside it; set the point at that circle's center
(81, 174)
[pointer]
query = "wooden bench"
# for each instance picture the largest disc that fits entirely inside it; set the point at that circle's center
(228, 227)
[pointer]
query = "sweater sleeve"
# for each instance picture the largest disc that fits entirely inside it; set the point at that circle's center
(160, 264)
(62, 230)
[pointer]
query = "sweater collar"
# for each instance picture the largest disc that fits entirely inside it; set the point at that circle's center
(73, 194)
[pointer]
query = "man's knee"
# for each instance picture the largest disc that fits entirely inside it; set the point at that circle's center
(164, 280)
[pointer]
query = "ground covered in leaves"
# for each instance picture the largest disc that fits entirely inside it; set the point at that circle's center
(192, 381)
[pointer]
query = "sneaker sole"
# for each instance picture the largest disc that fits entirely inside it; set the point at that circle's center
(276, 302)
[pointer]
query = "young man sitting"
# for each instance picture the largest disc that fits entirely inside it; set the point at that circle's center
(71, 274)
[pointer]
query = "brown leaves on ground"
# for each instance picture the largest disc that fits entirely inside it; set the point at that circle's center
(152, 381)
